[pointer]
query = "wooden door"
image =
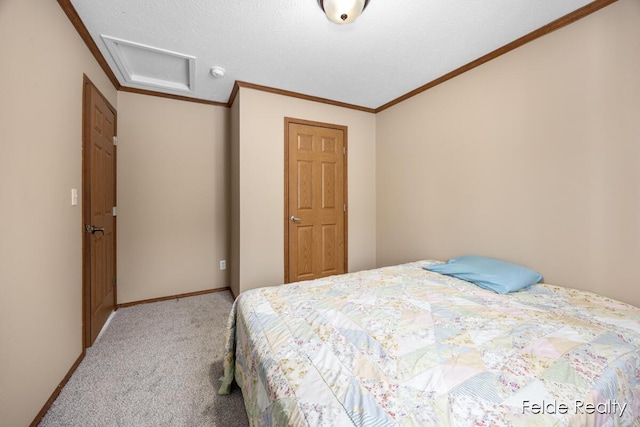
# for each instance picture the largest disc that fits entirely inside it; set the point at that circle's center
(99, 200)
(315, 200)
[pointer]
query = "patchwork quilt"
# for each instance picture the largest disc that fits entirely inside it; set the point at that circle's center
(402, 346)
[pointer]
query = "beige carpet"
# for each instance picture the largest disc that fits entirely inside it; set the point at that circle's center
(155, 364)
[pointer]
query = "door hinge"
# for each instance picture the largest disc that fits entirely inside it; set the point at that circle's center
(115, 282)
(344, 150)
(114, 211)
(115, 140)
(344, 207)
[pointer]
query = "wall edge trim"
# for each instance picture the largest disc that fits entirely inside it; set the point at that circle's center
(170, 297)
(57, 391)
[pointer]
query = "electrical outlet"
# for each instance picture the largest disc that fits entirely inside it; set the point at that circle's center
(223, 264)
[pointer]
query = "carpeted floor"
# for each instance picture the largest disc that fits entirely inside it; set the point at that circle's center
(155, 364)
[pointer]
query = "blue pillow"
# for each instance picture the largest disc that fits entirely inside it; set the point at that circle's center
(498, 276)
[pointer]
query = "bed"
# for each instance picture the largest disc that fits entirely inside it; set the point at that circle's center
(401, 345)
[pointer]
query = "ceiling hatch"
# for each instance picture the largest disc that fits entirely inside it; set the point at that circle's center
(151, 66)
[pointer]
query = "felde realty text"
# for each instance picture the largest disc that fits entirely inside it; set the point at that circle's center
(609, 407)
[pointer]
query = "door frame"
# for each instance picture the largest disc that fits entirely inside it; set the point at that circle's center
(344, 129)
(87, 85)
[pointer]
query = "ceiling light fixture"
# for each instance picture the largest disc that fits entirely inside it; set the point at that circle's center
(343, 11)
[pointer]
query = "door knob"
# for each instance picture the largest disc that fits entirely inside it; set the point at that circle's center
(295, 219)
(93, 229)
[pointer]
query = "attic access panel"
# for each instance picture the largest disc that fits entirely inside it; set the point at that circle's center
(152, 66)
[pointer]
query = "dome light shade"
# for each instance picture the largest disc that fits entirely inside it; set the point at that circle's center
(343, 11)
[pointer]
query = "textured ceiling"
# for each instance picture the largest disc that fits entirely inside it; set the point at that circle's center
(393, 48)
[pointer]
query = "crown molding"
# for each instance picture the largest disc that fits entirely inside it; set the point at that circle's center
(241, 84)
(555, 25)
(171, 96)
(72, 14)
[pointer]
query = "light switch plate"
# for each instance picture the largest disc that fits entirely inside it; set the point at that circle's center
(74, 197)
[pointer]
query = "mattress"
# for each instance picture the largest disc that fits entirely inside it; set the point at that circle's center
(404, 346)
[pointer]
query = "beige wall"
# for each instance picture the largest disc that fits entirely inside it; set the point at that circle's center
(172, 196)
(532, 157)
(261, 182)
(40, 232)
